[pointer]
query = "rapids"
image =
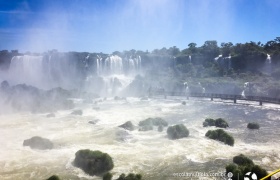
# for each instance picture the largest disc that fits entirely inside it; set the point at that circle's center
(150, 153)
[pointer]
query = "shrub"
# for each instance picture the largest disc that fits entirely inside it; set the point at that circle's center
(209, 122)
(130, 176)
(221, 123)
(177, 131)
(243, 165)
(253, 125)
(220, 135)
(93, 162)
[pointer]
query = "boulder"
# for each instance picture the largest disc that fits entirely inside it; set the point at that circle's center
(242, 165)
(123, 135)
(153, 122)
(37, 142)
(177, 131)
(160, 128)
(253, 125)
(242, 160)
(221, 123)
(209, 122)
(93, 121)
(53, 177)
(77, 112)
(93, 162)
(107, 176)
(220, 135)
(128, 125)
(130, 176)
(146, 128)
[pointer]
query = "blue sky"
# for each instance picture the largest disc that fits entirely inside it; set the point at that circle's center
(117, 25)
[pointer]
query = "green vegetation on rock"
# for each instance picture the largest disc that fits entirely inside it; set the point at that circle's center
(221, 123)
(177, 131)
(220, 135)
(130, 176)
(93, 162)
(253, 125)
(243, 165)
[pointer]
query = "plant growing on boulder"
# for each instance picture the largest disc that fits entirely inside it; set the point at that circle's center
(130, 176)
(221, 123)
(253, 125)
(220, 135)
(93, 162)
(209, 122)
(243, 165)
(177, 131)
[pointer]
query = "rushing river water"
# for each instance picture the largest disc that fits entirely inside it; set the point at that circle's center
(150, 153)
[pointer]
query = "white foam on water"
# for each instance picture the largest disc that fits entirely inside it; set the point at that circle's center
(150, 153)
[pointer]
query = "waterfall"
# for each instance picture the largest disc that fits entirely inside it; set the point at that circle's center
(26, 69)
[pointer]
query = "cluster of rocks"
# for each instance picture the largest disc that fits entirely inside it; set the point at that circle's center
(221, 123)
(29, 98)
(242, 165)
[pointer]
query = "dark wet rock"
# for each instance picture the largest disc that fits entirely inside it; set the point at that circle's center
(146, 128)
(123, 135)
(220, 135)
(253, 126)
(107, 176)
(242, 165)
(93, 162)
(130, 176)
(184, 103)
(177, 131)
(221, 123)
(127, 125)
(209, 122)
(93, 121)
(77, 112)
(4, 86)
(50, 115)
(153, 122)
(37, 142)
(242, 160)
(53, 177)
(160, 128)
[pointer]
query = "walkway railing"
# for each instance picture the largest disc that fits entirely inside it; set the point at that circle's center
(259, 99)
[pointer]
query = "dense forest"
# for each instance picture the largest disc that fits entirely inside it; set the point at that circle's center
(218, 68)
